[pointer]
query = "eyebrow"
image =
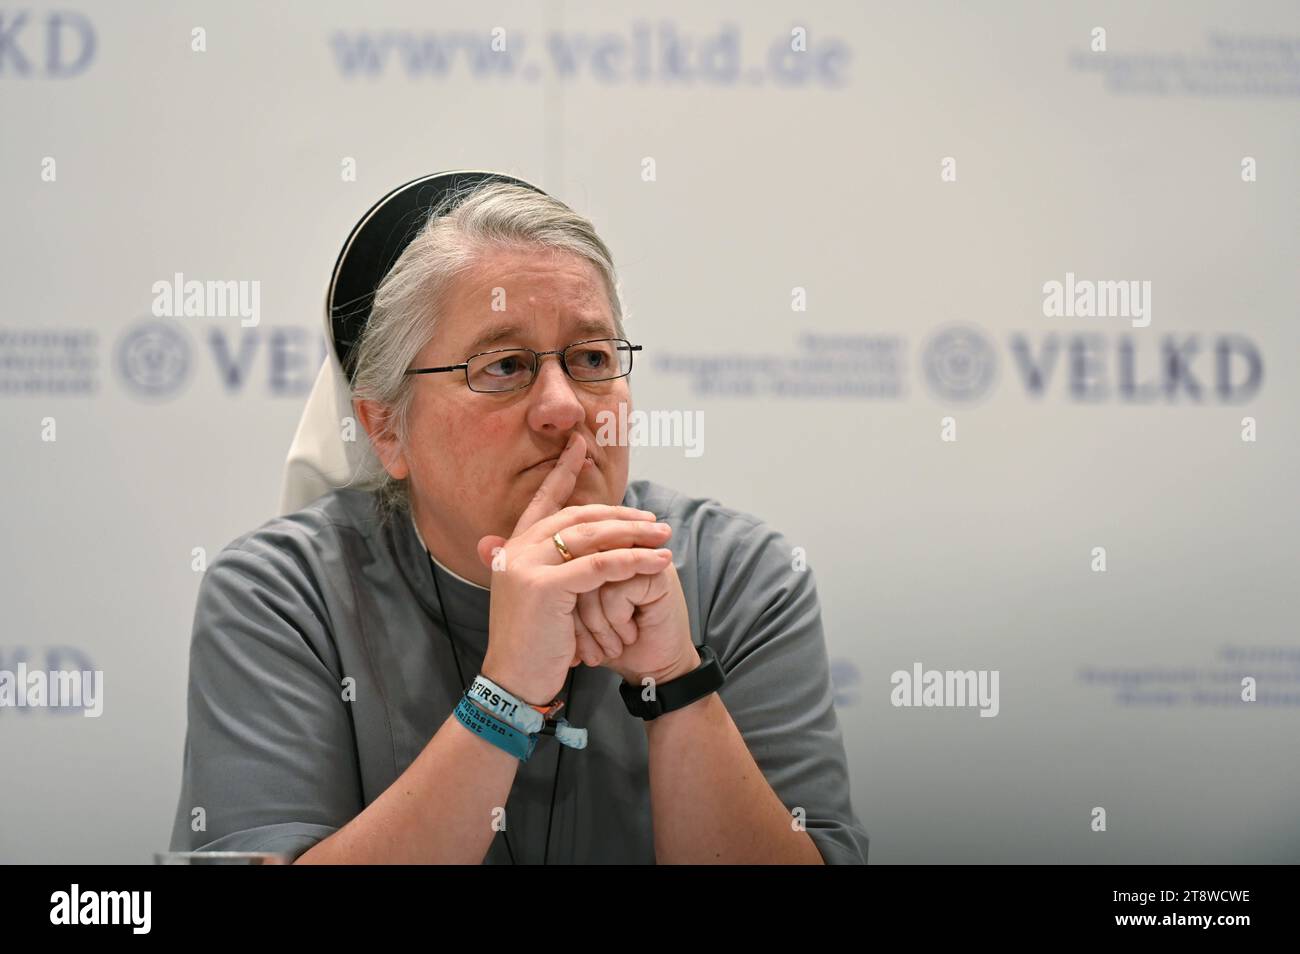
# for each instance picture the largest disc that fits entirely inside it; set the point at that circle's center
(586, 328)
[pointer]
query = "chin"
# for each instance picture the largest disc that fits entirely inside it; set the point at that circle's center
(583, 496)
(589, 489)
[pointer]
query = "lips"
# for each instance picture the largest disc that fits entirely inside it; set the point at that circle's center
(550, 462)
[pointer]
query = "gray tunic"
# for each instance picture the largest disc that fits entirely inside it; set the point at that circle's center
(278, 760)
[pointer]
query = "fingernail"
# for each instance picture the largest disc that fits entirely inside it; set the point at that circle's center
(662, 526)
(572, 437)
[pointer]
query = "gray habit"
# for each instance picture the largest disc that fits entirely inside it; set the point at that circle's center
(278, 760)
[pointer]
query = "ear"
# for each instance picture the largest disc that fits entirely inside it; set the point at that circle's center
(378, 422)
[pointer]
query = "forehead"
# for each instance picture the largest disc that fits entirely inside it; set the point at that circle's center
(529, 290)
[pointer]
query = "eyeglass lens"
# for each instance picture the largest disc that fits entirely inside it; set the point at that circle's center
(508, 370)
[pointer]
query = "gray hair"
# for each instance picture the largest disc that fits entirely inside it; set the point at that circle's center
(408, 302)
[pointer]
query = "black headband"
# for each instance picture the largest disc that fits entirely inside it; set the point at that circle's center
(378, 240)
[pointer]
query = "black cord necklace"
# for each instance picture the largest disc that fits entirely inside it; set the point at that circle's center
(569, 692)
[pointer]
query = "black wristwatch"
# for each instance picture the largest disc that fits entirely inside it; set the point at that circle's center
(676, 693)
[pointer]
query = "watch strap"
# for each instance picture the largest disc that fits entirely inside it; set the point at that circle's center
(677, 693)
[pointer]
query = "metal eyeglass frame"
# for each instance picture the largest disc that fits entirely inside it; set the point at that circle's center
(537, 365)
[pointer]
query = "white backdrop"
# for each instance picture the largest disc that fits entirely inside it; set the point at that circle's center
(818, 170)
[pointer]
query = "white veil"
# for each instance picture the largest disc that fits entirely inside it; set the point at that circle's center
(320, 458)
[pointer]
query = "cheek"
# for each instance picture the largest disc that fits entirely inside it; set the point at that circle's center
(445, 437)
(605, 406)
(483, 444)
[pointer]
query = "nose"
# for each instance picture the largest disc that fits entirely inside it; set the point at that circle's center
(553, 406)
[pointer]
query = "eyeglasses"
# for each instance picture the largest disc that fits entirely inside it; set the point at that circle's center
(511, 369)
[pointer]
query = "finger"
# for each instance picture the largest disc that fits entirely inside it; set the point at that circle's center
(588, 651)
(582, 574)
(593, 617)
(572, 516)
(557, 488)
(587, 538)
(619, 601)
(488, 547)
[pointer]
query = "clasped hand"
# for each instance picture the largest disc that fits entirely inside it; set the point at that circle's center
(617, 603)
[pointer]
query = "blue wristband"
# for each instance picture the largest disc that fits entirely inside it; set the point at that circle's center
(500, 734)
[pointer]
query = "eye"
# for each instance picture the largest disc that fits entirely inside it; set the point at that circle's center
(506, 367)
(591, 358)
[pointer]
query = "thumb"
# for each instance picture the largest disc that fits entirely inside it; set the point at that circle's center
(487, 547)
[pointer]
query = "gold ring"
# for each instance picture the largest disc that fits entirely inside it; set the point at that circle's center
(559, 545)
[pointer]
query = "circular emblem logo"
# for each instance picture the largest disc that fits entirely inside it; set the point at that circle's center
(153, 359)
(960, 364)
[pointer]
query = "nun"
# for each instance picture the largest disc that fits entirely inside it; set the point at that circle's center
(469, 637)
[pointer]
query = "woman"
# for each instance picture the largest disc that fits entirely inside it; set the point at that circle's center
(397, 673)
